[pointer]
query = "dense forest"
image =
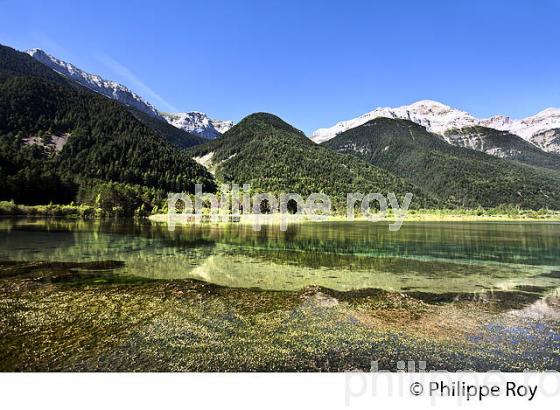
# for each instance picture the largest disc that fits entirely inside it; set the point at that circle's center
(272, 156)
(100, 140)
(466, 177)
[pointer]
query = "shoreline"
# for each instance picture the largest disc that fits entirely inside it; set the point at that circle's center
(415, 216)
(80, 211)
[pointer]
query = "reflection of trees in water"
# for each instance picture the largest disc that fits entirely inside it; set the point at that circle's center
(506, 242)
(142, 249)
(511, 243)
(40, 240)
(447, 249)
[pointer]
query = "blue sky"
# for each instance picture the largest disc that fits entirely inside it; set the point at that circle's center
(312, 63)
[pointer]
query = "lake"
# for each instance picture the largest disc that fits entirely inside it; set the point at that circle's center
(484, 275)
(432, 257)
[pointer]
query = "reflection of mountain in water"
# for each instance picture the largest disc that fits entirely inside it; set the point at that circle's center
(393, 274)
(545, 308)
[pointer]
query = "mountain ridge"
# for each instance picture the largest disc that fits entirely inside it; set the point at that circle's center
(94, 82)
(501, 144)
(193, 122)
(198, 123)
(439, 118)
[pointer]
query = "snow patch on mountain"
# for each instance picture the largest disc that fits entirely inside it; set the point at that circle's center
(541, 129)
(95, 83)
(198, 123)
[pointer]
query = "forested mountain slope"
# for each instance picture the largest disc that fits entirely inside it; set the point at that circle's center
(54, 134)
(272, 156)
(465, 177)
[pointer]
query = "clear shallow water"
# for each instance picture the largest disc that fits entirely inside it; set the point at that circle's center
(429, 257)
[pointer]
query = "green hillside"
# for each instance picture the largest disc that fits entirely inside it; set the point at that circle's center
(464, 177)
(15, 63)
(99, 140)
(272, 156)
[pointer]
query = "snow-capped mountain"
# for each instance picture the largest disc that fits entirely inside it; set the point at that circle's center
(435, 116)
(198, 123)
(95, 83)
(194, 122)
(439, 118)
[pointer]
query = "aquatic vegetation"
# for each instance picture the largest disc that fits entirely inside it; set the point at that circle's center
(188, 325)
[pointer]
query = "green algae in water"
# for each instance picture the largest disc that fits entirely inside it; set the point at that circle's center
(194, 326)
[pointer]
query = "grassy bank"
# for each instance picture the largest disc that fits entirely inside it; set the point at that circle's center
(9, 208)
(442, 215)
(494, 214)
